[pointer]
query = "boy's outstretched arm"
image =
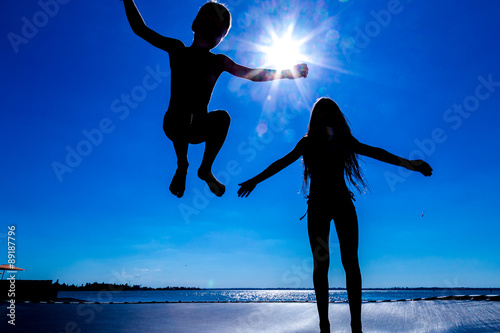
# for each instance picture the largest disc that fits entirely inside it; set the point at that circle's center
(140, 29)
(263, 74)
(384, 156)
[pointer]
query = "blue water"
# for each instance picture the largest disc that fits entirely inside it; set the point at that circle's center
(258, 295)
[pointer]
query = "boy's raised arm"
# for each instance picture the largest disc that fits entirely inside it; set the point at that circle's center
(140, 29)
(384, 156)
(263, 74)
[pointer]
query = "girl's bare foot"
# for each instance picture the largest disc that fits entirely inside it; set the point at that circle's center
(324, 327)
(356, 328)
(178, 184)
(215, 186)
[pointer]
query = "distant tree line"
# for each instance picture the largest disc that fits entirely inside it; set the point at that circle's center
(127, 287)
(112, 287)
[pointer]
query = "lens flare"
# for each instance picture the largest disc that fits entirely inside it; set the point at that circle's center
(261, 129)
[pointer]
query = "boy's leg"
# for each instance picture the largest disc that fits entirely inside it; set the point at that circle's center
(176, 128)
(318, 225)
(178, 184)
(215, 128)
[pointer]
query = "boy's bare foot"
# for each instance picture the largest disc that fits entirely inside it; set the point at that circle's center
(215, 186)
(178, 184)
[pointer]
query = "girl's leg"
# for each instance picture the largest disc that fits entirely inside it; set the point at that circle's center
(346, 224)
(178, 184)
(318, 224)
(214, 131)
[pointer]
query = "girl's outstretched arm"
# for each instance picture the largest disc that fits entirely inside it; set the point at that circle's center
(274, 168)
(140, 29)
(262, 74)
(384, 156)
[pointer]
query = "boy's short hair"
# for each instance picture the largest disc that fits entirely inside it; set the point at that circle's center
(212, 10)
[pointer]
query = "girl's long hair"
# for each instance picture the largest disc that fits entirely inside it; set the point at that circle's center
(325, 115)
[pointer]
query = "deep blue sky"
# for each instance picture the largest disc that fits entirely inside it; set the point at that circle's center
(414, 82)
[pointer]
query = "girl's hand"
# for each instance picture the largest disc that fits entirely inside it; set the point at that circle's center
(421, 166)
(246, 188)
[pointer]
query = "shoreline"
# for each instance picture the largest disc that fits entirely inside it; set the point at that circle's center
(138, 288)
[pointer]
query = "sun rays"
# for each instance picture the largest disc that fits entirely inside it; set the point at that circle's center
(282, 39)
(284, 51)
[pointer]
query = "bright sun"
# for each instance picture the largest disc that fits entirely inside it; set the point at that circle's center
(284, 52)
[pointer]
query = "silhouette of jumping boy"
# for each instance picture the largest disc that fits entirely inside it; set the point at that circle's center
(329, 152)
(194, 72)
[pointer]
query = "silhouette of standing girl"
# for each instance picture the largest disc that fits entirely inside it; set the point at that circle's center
(329, 153)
